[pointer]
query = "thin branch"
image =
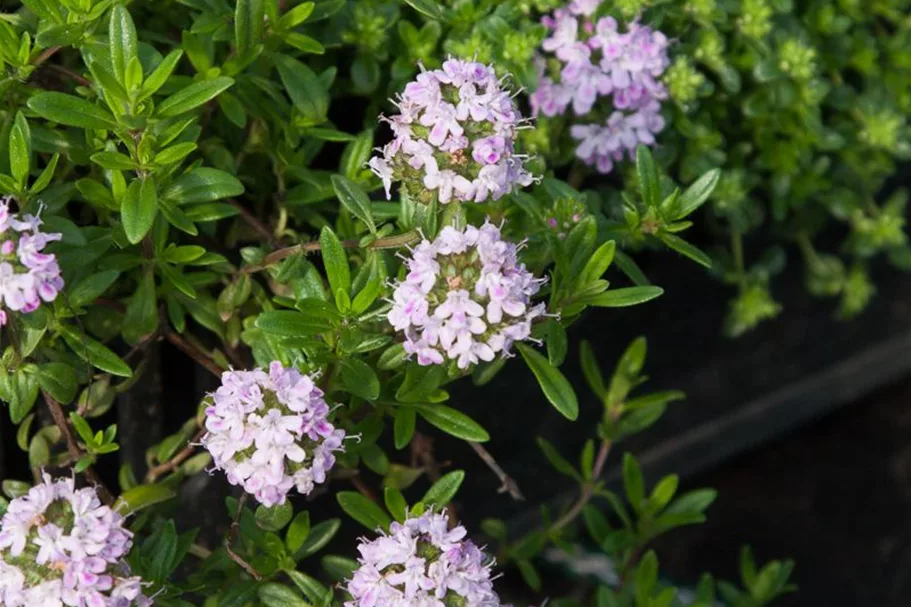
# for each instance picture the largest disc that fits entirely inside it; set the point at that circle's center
(588, 489)
(70, 74)
(256, 224)
(192, 351)
(509, 485)
(422, 451)
(47, 54)
(390, 242)
(73, 447)
(179, 458)
(230, 538)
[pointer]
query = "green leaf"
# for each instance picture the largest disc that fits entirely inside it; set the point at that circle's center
(354, 199)
(697, 194)
(597, 265)
(203, 184)
(557, 342)
(304, 87)
(140, 206)
(590, 369)
(335, 260)
(556, 460)
(554, 385)
(403, 428)
(295, 16)
(632, 481)
(248, 25)
(298, 532)
(273, 594)
(160, 74)
(288, 323)
(71, 111)
(273, 518)
(320, 535)
(395, 503)
(44, 179)
(356, 155)
(20, 149)
(58, 380)
(141, 497)
(121, 41)
(174, 153)
(304, 43)
(363, 510)
(685, 248)
(360, 379)
(431, 8)
(453, 422)
(620, 298)
(91, 287)
(326, 9)
(94, 352)
(442, 491)
(648, 176)
(21, 390)
(311, 588)
(193, 96)
(113, 161)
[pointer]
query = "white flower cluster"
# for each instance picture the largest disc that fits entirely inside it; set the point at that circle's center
(422, 562)
(455, 135)
(465, 297)
(269, 432)
(60, 546)
(28, 276)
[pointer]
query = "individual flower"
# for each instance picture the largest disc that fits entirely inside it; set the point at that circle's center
(465, 297)
(585, 60)
(422, 562)
(61, 546)
(270, 432)
(454, 136)
(28, 276)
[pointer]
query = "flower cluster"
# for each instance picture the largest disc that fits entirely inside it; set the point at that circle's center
(594, 59)
(465, 297)
(27, 276)
(455, 136)
(422, 562)
(60, 546)
(269, 432)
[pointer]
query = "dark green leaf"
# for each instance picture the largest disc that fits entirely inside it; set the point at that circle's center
(632, 481)
(620, 298)
(273, 518)
(94, 352)
(121, 41)
(360, 379)
(141, 497)
(431, 8)
(442, 491)
(558, 461)
(248, 25)
(193, 96)
(288, 323)
(395, 503)
(71, 111)
(304, 87)
(335, 260)
(648, 177)
(697, 194)
(277, 595)
(354, 199)
(554, 385)
(140, 206)
(20, 149)
(453, 422)
(403, 428)
(298, 532)
(363, 510)
(58, 380)
(685, 248)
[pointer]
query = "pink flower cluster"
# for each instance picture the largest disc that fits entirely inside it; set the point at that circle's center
(454, 135)
(60, 546)
(269, 432)
(595, 59)
(465, 297)
(27, 276)
(422, 562)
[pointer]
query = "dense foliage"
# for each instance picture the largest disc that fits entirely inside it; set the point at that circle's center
(203, 172)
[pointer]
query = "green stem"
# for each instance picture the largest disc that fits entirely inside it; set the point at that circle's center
(737, 250)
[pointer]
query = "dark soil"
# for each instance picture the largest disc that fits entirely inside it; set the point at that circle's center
(834, 496)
